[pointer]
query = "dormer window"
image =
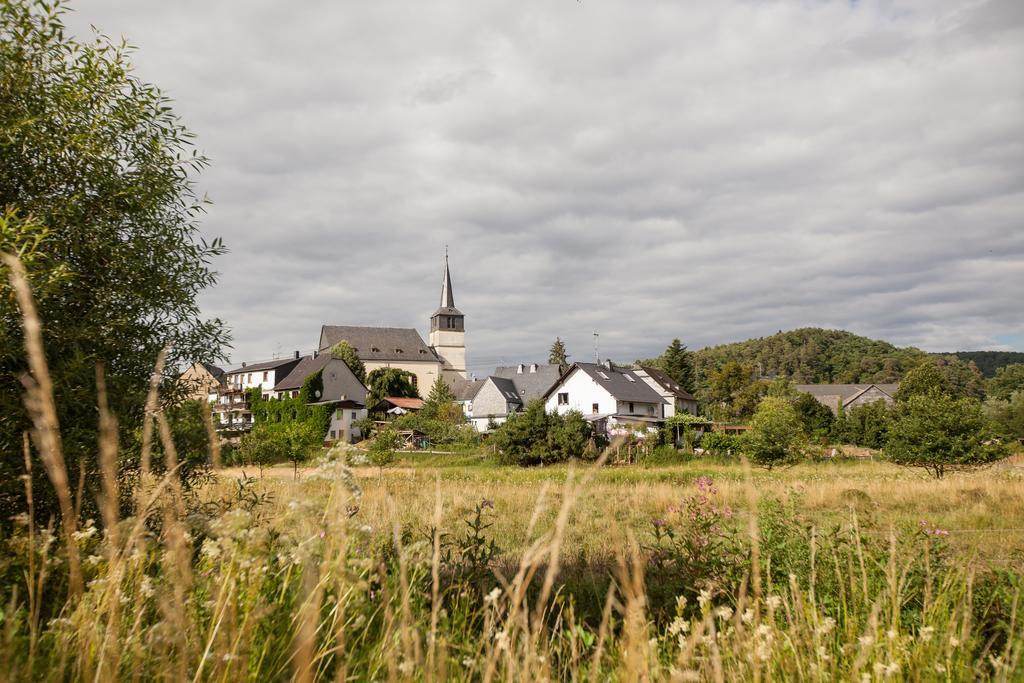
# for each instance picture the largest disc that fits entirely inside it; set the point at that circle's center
(397, 350)
(374, 349)
(603, 376)
(629, 378)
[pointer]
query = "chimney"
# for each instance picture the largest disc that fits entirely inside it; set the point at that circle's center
(296, 355)
(608, 364)
(533, 368)
(243, 363)
(519, 370)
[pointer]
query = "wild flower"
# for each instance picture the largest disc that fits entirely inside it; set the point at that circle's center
(492, 597)
(704, 598)
(826, 626)
(748, 616)
(926, 633)
(724, 612)
(866, 640)
(774, 601)
(954, 641)
(678, 625)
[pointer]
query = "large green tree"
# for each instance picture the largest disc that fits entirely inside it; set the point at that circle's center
(776, 435)
(1007, 381)
(384, 382)
(922, 380)
(97, 187)
(677, 363)
(941, 434)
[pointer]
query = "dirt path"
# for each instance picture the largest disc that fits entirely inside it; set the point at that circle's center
(288, 472)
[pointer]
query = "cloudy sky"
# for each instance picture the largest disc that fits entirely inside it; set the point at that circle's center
(647, 170)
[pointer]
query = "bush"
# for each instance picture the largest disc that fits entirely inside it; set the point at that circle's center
(536, 437)
(721, 443)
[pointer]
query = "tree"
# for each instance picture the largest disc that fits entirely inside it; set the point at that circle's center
(517, 439)
(922, 380)
(438, 401)
(261, 447)
(1007, 416)
(677, 363)
(776, 435)
(941, 434)
(558, 356)
(384, 382)
(815, 418)
(97, 191)
(868, 424)
(1007, 381)
(300, 441)
(382, 448)
(344, 351)
(568, 436)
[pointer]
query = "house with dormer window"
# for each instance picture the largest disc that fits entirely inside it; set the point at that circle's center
(607, 395)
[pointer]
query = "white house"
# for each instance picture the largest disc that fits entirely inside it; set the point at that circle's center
(609, 396)
(229, 401)
(677, 399)
(507, 391)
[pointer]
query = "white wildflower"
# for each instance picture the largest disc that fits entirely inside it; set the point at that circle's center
(823, 654)
(748, 616)
(406, 667)
(940, 668)
(492, 597)
(891, 634)
(866, 640)
(146, 587)
(704, 599)
(826, 626)
(468, 662)
(926, 633)
(501, 640)
(680, 603)
(954, 641)
(724, 612)
(678, 625)
(774, 601)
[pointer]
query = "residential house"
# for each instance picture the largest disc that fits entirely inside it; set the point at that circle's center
(230, 401)
(346, 395)
(404, 348)
(201, 380)
(394, 406)
(849, 396)
(508, 391)
(609, 396)
(291, 384)
(677, 399)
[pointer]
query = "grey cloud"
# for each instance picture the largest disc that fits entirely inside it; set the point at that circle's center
(710, 171)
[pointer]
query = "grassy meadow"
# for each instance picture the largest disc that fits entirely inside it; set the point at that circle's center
(451, 567)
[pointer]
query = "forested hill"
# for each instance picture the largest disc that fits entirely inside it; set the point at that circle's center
(989, 361)
(812, 355)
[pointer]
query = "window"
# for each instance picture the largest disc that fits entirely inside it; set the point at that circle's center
(332, 434)
(603, 376)
(414, 380)
(295, 394)
(629, 378)
(595, 409)
(353, 414)
(266, 375)
(630, 406)
(248, 378)
(563, 399)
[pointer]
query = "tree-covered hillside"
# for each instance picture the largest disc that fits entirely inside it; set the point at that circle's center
(813, 354)
(990, 361)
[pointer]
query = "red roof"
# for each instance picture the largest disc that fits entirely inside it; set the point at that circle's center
(405, 403)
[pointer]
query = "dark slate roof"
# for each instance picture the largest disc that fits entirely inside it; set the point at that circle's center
(379, 343)
(307, 366)
(340, 384)
(507, 388)
(218, 373)
(466, 389)
(530, 385)
(266, 365)
(447, 306)
(668, 384)
(844, 391)
(616, 381)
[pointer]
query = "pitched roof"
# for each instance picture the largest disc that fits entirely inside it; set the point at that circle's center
(622, 383)
(844, 391)
(307, 366)
(379, 343)
(404, 403)
(447, 306)
(217, 373)
(265, 365)
(340, 384)
(530, 385)
(507, 388)
(667, 383)
(466, 389)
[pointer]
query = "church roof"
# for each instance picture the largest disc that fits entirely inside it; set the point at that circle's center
(447, 306)
(379, 343)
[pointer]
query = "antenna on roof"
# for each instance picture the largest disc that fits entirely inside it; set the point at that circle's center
(597, 356)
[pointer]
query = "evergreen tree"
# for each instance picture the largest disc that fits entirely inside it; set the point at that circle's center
(677, 363)
(1007, 381)
(344, 351)
(558, 356)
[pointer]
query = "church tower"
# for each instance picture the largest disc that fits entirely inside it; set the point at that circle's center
(448, 331)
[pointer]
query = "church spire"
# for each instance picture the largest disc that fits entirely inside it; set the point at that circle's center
(447, 297)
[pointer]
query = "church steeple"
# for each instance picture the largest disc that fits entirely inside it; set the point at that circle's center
(447, 297)
(448, 328)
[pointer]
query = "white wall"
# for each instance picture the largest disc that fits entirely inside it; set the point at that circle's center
(341, 424)
(583, 393)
